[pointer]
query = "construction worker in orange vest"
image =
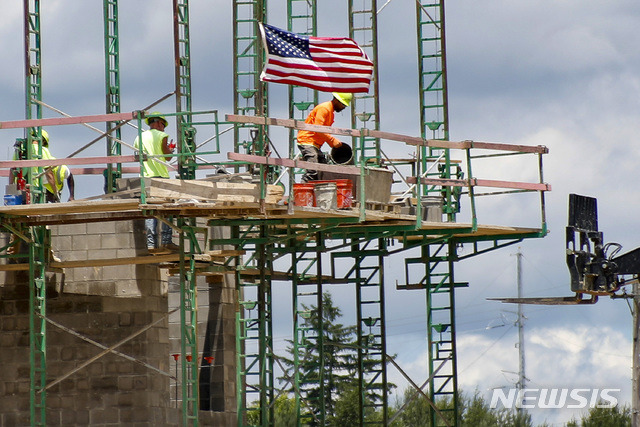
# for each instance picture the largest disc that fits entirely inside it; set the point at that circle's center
(310, 143)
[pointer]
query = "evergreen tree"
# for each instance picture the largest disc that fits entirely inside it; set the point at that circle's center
(338, 358)
(604, 417)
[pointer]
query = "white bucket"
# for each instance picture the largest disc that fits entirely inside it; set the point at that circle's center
(432, 208)
(326, 195)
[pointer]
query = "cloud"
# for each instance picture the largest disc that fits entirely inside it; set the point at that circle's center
(555, 357)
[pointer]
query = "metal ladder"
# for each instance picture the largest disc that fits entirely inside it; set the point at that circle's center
(188, 321)
(186, 137)
(112, 89)
(365, 107)
(367, 273)
(437, 263)
(254, 335)
(434, 118)
(39, 244)
(250, 94)
(307, 289)
(302, 19)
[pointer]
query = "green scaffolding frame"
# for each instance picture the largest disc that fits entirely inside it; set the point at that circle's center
(362, 247)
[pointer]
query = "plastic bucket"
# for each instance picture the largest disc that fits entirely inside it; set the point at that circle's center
(344, 192)
(432, 208)
(303, 195)
(326, 195)
(342, 155)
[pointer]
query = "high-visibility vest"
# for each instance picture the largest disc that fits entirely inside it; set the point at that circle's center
(152, 145)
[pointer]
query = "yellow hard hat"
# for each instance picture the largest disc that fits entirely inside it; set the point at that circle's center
(45, 136)
(156, 115)
(345, 98)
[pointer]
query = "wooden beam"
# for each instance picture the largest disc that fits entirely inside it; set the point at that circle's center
(474, 182)
(68, 161)
(410, 140)
(147, 259)
(74, 207)
(30, 123)
(291, 123)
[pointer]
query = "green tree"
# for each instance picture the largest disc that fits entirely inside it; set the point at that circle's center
(285, 412)
(604, 417)
(338, 358)
(477, 412)
(472, 411)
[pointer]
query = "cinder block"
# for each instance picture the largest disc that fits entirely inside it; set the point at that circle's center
(97, 253)
(80, 255)
(101, 228)
(62, 243)
(71, 229)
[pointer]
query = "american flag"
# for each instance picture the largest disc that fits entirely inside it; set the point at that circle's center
(326, 64)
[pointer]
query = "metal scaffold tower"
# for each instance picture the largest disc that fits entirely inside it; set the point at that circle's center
(365, 109)
(308, 338)
(250, 96)
(254, 342)
(437, 259)
(112, 89)
(302, 19)
(36, 236)
(320, 248)
(367, 273)
(189, 245)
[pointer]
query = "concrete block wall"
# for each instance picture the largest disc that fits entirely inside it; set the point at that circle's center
(107, 240)
(217, 301)
(107, 305)
(109, 391)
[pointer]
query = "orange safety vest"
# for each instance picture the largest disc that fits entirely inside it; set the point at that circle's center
(322, 115)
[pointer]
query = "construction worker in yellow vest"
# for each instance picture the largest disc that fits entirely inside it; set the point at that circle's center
(155, 142)
(55, 183)
(54, 175)
(310, 142)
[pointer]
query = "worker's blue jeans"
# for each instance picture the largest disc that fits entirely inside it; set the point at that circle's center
(151, 224)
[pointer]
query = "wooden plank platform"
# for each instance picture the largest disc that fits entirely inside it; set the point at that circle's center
(127, 209)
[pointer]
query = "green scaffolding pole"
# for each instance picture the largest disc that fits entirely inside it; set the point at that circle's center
(250, 94)
(38, 234)
(112, 90)
(365, 107)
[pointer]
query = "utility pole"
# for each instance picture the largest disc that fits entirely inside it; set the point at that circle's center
(521, 377)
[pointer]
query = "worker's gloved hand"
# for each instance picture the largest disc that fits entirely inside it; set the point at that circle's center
(172, 146)
(338, 144)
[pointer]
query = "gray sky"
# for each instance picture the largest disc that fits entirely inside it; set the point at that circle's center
(559, 74)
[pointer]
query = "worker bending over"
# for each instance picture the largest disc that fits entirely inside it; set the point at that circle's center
(55, 176)
(310, 143)
(155, 142)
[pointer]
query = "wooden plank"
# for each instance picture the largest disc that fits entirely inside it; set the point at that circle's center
(14, 267)
(291, 123)
(410, 140)
(67, 161)
(76, 206)
(148, 259)
(84, 171)
(113, 117)
(474, 182)
(202, 190)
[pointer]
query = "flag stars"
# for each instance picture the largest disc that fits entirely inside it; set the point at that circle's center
(285, 44)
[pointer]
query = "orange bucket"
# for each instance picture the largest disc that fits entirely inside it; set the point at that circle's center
(303, 195)
(344, 192)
